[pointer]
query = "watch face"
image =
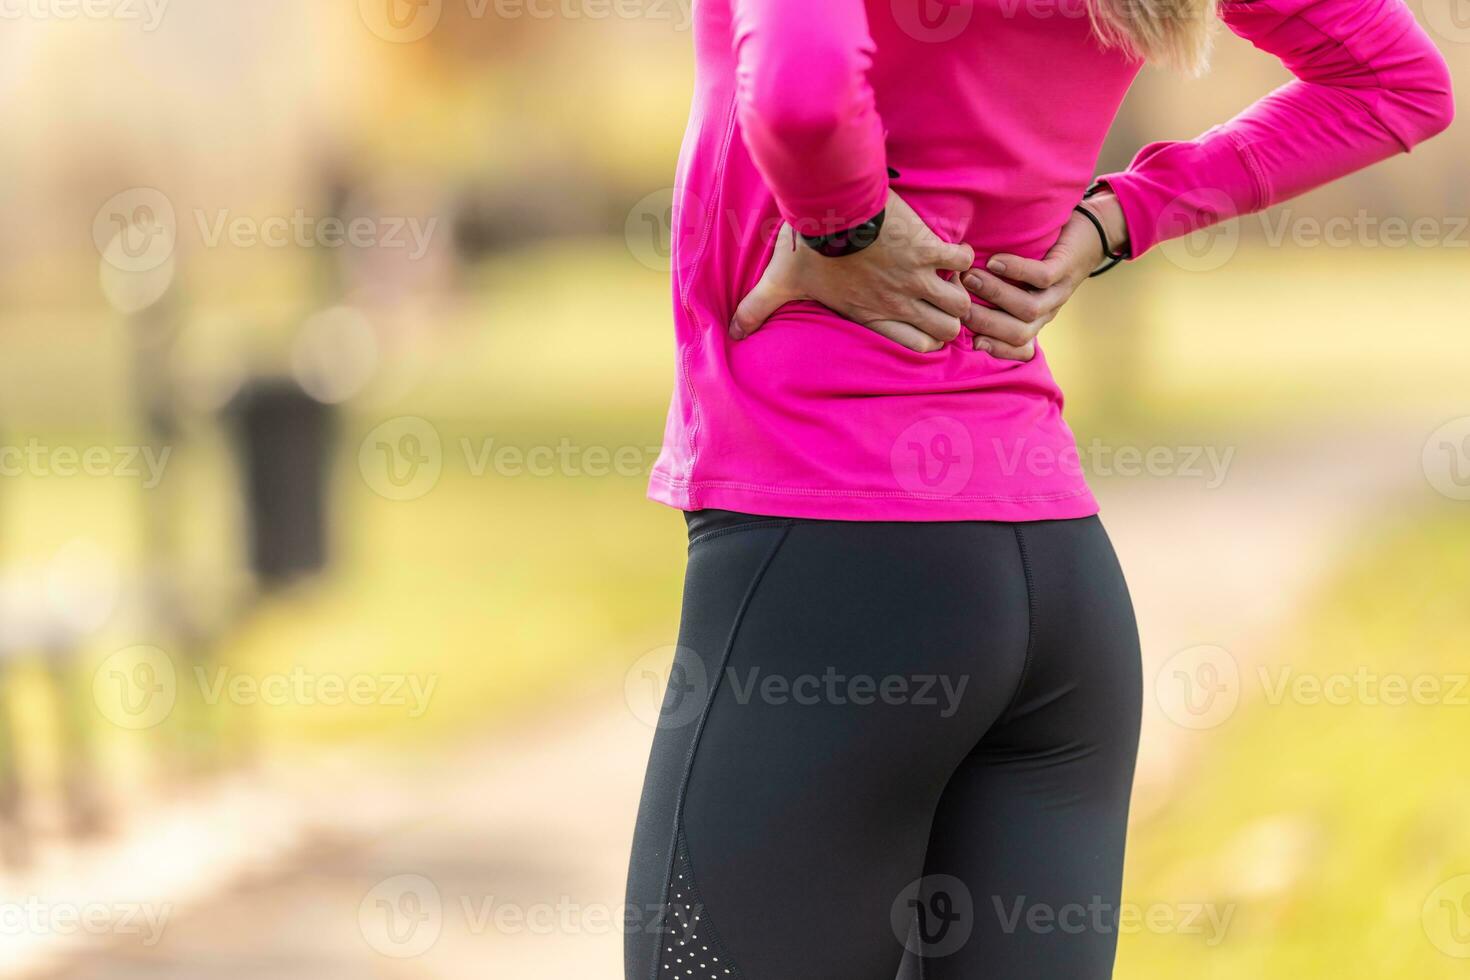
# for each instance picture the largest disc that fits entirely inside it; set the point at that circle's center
(846, 242)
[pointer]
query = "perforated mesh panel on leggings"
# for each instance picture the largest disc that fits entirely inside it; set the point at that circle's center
(691, 948)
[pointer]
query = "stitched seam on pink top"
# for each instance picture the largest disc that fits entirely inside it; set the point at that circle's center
(865, 494)
(684, 287)
(1253, 166)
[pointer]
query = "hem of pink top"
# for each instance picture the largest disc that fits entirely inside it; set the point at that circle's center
(845, 505)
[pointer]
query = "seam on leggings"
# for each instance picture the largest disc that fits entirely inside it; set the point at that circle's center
(1031, 618)
(921, 955)
(748, 526)
(678, 828)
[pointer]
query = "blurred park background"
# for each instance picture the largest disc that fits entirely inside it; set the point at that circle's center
(335, 346)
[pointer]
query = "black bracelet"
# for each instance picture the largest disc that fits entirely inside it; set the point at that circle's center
(1112, 258)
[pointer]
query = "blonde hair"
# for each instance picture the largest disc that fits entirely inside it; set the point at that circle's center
(1173, 33)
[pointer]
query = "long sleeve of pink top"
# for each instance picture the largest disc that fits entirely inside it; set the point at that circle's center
(806, 109)
(1369, 84)
(993, 113)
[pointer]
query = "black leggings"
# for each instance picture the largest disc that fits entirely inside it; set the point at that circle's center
(886, 743)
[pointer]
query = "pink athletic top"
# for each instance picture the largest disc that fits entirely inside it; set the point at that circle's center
(993, 112)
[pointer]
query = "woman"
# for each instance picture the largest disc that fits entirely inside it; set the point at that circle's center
(904, 710)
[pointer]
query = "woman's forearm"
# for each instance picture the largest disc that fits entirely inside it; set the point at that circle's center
(1369, 84)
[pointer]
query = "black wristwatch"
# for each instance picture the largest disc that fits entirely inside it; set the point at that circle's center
(850, 241)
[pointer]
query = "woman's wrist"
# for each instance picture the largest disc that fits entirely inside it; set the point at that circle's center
(1105, 206)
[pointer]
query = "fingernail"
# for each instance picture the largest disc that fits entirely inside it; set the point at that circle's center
(735, 332)
(995, 265)
(982, 344)
(973, 283)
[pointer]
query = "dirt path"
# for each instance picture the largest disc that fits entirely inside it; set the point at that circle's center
(508, 860)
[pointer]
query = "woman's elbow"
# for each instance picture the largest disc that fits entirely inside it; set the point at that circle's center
(1430, 101)
(1442, 103)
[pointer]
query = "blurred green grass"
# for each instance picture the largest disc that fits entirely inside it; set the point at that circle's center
(1327, 826)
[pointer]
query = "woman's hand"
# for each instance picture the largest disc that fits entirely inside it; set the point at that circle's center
(903, 286)
(1047, 283)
